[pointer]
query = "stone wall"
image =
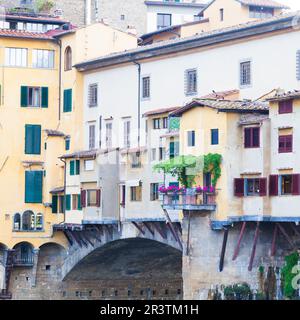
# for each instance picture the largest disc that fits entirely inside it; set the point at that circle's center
(201, 267)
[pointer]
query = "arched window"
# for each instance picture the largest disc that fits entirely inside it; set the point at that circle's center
(68, 59)
(17, 221)
(28, 221)
(39, 222)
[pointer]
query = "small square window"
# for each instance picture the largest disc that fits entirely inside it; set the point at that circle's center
(191, 138)
(252, 137)
(285, 106)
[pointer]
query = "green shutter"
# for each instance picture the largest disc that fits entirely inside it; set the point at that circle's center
(72, 168)
(45, 97)
(68, 202)
(33, 186)
(68, 100)
(54, 204)
(79, 202)
(32, 139)
(24, 96)
(172, 150)
(77, 167)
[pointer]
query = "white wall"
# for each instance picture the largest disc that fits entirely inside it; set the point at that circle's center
(180, 15)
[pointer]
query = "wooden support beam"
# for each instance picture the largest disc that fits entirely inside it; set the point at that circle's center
(85, 235)
(69, 237)
(75, 236)
(178, 227)
(79, 238)
(188, 235)
(223, 251)
(254, 247)
(292, 224)
(237, 249)
(273, 248)
(172, 229)
(148, 227)
(96, 234)
(108, 230)
(160, 229)
(289, 240)
(139, 227)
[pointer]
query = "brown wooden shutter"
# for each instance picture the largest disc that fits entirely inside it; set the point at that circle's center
(296, 185)
(83, 198)
(262, 187)
(98, 198)
(239, 187)
(273, 185)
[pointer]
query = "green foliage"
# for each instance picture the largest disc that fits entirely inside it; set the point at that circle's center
(287, 275)
(44, 5)
(241, 291)
(212, 164)
(261, 269)
(179, 167)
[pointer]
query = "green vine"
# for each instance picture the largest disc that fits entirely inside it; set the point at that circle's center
(186, 168)
(288, 276)
(212, 164)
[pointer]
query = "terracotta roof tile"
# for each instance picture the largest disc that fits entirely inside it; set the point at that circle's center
(225, 105)
(264, 3)
(220, 94)
(81, 154)
(159, 111)
(279, 95)
(24, 34)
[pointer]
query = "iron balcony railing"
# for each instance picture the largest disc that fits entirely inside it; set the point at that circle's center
(23, 261)
(205, 201)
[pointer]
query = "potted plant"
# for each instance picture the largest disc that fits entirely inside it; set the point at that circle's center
(44, 6)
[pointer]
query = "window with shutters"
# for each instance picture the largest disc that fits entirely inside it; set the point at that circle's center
(191, 82)
(93, 95)
(34, 97)
(74, 167)
(165, 122)
(252, 187)
(67, 143)
(162, 153)
(146, 87)
(126, 142)
(191, 138)
(285, 106)
(156, 123)
(67, 100)
(61, 204)
(252, 137)
(285, 143)
(76, 202)
(154, 191)
(245, 73)
(92, 136)
(32, 139)
(33, 186)
(136, 193)
(108, 138)
(285, 184)
(43, 58)
(93, 198)
(214, 136)
(16, 57)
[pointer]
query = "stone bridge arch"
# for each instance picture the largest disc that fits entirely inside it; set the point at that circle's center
(84, 242)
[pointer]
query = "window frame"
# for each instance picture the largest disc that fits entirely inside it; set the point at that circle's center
(146, 87)
(191, 140)
(191, 82)
(285, 139)
(36, 59)
(93, 95)
(251, 143)
(243, 83)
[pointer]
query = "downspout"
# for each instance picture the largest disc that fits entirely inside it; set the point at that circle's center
(139, 104)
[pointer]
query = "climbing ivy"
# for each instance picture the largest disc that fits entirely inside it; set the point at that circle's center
(212, 164)
(288, 276)
(180, 167)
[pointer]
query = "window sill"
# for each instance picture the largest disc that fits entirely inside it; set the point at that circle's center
(28, 231)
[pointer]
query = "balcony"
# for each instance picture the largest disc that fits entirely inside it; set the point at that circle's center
(26, 261)
(193, 201)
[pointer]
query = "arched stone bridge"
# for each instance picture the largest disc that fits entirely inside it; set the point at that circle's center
(83, 240)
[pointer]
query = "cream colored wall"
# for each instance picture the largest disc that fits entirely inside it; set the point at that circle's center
(194, 28)
(202, 120)
(234, 13)
(12, 142)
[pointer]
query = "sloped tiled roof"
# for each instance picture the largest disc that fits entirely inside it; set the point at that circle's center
(285, 95)
(225, 105)
(264, 3)
(81, 154)
(247, 119)
(24, 34)
(159, 111)
(220, 94)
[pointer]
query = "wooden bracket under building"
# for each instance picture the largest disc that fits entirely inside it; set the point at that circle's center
(237, 249)
(254, 247)
(223, 251)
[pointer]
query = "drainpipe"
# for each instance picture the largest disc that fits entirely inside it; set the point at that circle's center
(88, 15)
(139, 104)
